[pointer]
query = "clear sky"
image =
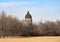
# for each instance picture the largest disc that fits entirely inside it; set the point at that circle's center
(39, 9)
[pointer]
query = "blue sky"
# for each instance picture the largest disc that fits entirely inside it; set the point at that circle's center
(39, 9)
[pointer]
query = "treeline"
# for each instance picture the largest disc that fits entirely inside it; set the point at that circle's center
(11, 26)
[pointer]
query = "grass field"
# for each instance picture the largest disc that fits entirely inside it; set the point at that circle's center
(31, 39)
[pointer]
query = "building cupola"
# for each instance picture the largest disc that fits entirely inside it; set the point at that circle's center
(28, 16)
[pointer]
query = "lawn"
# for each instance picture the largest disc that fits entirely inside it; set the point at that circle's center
(30, 39)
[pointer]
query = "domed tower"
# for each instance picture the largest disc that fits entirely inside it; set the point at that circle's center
(28, 19)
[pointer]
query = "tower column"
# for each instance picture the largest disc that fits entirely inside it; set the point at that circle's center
(28, 19)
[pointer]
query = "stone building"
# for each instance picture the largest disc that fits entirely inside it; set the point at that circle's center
(28, 19)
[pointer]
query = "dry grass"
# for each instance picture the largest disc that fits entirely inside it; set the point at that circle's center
(31, 39)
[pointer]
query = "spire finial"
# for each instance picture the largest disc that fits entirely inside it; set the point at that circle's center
(27, 12)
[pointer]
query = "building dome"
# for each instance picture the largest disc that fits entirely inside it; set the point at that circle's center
(28, 15)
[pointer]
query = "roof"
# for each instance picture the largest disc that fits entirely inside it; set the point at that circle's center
(28, 15)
